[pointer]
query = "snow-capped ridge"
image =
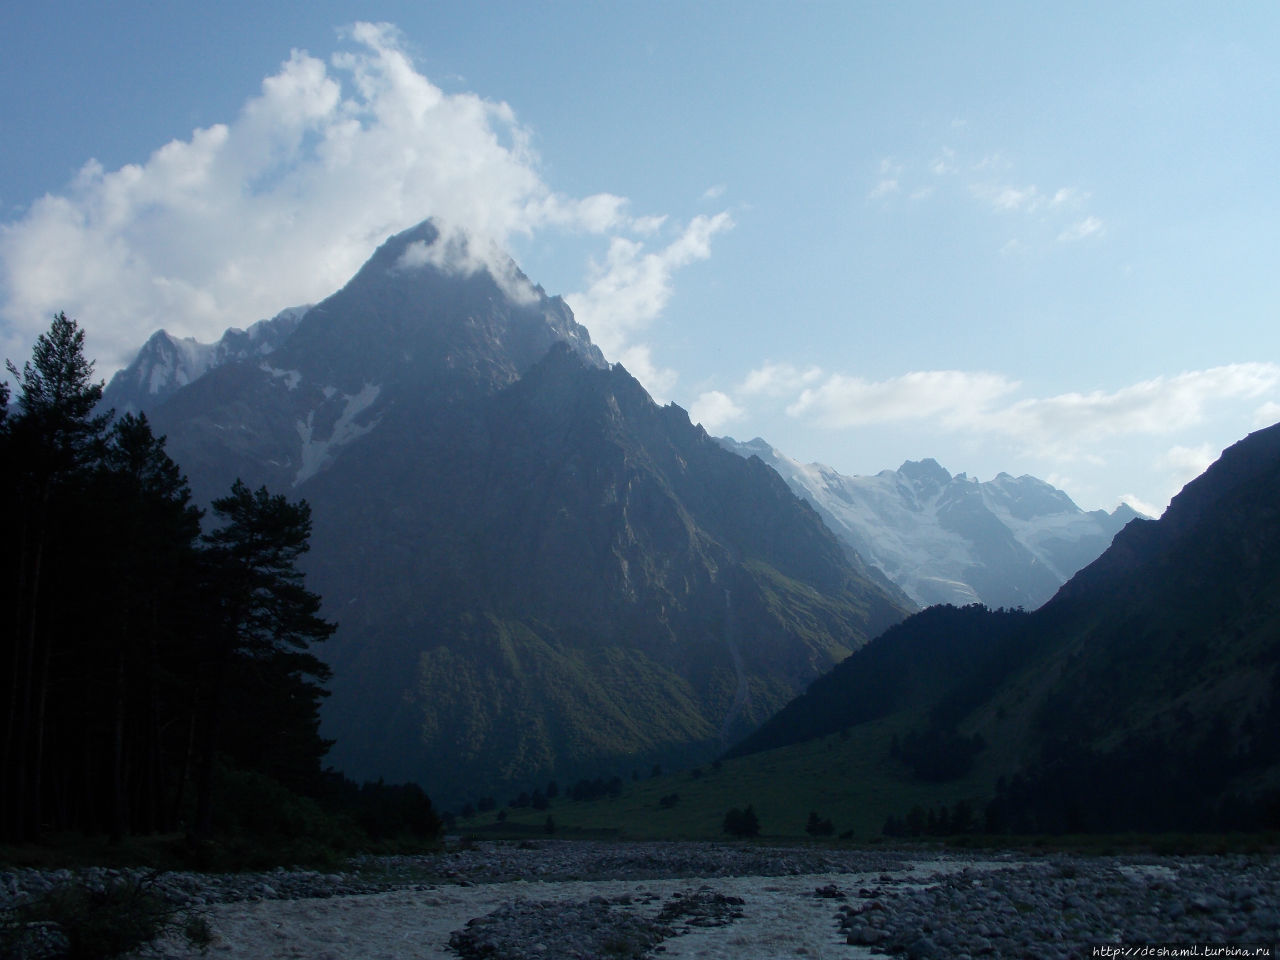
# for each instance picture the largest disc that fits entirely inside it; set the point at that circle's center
(165, 363)
(1007, 542)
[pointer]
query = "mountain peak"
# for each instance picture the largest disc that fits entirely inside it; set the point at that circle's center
(166, 364)
(925, 474)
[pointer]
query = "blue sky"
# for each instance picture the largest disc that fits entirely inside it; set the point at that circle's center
(1013, 237)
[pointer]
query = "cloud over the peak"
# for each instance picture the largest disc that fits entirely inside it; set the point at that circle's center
(632, 285)
(283, 203)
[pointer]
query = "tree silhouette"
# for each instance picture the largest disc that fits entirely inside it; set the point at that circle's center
(48, 446)
(258, 641)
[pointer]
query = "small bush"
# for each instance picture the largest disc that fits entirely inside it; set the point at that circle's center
(742, 823)
(818, 827)
(82, 922)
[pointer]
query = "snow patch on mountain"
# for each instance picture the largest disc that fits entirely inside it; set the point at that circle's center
(291, 378)
(316, 454)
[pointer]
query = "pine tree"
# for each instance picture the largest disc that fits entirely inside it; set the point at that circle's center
(50, 443)
(153, 529)
(263, 688)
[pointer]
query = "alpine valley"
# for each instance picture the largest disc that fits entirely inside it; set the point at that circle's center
(536, 570)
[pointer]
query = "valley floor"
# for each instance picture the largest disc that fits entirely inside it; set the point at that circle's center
(553, 899)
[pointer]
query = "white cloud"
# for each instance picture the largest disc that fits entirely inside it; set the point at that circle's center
(1068, 422)
(889, 182)
(882, 189)
(1267, 414)
(638, 361)
(1078, 231)
(1063, 427)
(1142, 506)
(281, 205)
(714, 192)
(955, 397)
(632, 286)
(453, 251)
(713, 409)
(1006, 197)
(778, 379)
(1186, 463)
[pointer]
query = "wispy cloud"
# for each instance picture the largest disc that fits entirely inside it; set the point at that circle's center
(632, 285)
(1189, 462)
(1087, 227)
(779, 379)
(956, 397)
(990, 183)
(944, 163)
(1062, 427)
(890, 173)
(281, 204)
(1157, 407)
(1027, 199)
(1007, 197)
(1267, 414)
(714, 409)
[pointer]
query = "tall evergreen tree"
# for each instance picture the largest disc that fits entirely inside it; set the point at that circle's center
(146, 515)
(51, 442)
(261, 667)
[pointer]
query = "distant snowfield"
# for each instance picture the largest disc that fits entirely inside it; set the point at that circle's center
(782, 917)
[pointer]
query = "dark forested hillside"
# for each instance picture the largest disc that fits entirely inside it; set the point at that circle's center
(943, 660)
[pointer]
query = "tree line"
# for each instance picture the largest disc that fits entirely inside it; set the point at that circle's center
(147, 656)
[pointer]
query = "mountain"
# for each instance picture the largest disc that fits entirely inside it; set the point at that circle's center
(166, 364)
(1007, 542)
(536, 570)
(1144, 696)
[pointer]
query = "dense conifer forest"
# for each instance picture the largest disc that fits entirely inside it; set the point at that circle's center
(160, 673)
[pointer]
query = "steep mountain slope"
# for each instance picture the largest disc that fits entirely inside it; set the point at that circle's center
(536, 570)
(1007, 542)
(1144, 695)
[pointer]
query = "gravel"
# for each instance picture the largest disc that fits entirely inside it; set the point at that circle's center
(1062, 907)
(583, 900)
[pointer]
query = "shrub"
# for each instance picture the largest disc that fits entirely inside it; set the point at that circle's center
(83, 922)
(742, 823)
(818, 827)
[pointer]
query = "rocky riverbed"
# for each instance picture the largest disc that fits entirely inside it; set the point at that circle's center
(554, 899)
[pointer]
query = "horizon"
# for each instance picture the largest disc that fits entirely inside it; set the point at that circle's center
(1011, 241)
